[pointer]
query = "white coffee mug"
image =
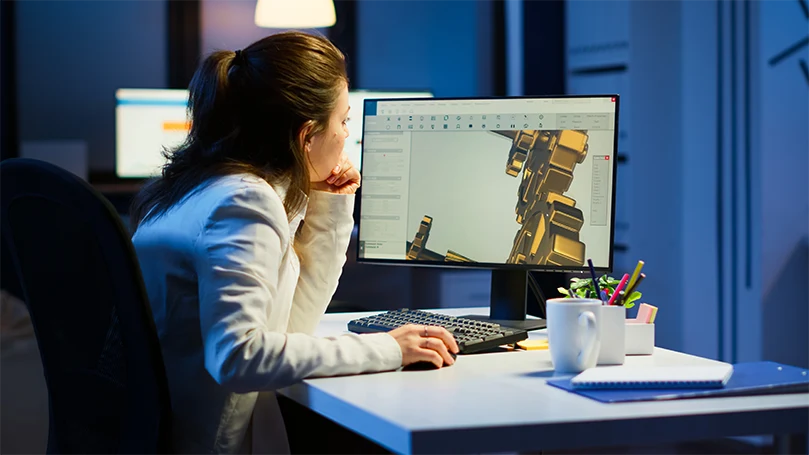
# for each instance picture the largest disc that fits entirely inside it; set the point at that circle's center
(573, 333)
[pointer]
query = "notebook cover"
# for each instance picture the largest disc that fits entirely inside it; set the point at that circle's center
(749, 378)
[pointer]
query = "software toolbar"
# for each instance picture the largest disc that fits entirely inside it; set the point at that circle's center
(488, 122)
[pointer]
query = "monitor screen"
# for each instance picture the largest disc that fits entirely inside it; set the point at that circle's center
(495, 182)
(146, 122)
(356, 99)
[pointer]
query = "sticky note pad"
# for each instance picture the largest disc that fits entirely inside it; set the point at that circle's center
(653, 315)
(646, 313)
(533, 345)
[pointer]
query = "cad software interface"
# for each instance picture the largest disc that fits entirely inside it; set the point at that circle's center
(498, 181)
(356, 100)
(146, 122)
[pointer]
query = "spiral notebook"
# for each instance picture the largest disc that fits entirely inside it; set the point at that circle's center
(654, 377)
(748, 379)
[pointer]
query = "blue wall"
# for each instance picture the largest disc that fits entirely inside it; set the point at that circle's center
(73, 55)
(443, 46)
(698, 180)
(782, 149)
(656, 159)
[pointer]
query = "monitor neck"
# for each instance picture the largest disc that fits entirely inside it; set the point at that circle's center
(510, 295)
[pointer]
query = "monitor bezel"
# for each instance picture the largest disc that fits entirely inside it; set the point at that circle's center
(489, 265)
(393, 90)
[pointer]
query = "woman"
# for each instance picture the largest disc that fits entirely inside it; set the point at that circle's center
(242, 241)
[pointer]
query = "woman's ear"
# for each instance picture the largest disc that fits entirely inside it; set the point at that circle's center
(305, 135)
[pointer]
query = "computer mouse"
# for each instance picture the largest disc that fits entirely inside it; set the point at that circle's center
(425, 365)
(420, 366)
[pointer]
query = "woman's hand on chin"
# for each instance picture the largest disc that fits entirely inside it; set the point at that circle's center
(344, 179)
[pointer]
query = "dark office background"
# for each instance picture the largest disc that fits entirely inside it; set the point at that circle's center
(701, 189)
(701, 83)
(713, 145)
(8, 127)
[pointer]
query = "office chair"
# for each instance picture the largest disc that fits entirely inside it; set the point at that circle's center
(9, 282)
(107, 389)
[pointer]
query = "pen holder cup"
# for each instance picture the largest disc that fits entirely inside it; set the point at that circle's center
(612, 323)
(640, 338)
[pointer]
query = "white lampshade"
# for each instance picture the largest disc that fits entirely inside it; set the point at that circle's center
(295, 13)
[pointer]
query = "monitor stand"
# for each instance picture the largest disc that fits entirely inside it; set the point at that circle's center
(510, 294)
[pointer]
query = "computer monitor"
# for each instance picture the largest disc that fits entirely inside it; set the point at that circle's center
(509, 184)
(356, 99)
(147, 121)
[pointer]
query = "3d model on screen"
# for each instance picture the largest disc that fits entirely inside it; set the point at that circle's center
(416, 249)
(549, 221)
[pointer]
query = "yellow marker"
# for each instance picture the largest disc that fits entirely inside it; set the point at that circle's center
(635, 275)
(533, 345)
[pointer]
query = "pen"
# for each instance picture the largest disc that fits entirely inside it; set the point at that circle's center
(595, 279)
(635, 274)
(640, 278)
(618, 289)
(634, 286)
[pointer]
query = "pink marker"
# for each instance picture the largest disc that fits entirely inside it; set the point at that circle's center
(618, 289)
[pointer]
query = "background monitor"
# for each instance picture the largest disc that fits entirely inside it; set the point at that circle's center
(510, 184)
(147, 121)
(356, 99)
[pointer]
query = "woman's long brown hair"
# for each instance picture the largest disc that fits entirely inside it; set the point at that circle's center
(247, 112)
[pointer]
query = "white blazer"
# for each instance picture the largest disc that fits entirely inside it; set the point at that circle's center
(235, 308)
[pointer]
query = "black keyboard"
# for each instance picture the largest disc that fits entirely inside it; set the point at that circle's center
(471, 335)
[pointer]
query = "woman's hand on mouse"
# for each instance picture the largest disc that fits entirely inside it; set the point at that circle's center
(420, 343)
(344, 178)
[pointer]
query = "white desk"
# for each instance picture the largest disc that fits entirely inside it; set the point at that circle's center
(500, 402)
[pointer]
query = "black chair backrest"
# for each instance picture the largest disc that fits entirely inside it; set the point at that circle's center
(82, 284)
(9, 281)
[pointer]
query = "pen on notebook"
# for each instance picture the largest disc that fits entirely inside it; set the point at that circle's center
(618, 289)
(595, 279)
